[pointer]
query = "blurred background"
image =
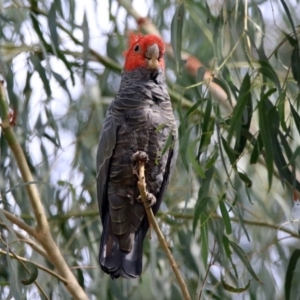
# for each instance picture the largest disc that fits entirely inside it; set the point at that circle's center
(233, 74)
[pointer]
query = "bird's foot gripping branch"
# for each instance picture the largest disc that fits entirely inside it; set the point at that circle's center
(141, 158)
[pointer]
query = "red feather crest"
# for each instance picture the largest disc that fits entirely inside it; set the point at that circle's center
(135, 59)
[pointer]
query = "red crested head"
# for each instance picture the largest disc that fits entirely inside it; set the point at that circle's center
(144, 51)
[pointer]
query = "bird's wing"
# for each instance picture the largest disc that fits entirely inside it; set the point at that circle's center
(105, 151)
(172, 157)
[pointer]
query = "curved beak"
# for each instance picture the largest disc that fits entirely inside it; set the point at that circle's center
(152, 56)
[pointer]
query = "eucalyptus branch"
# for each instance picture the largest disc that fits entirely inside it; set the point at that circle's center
(154, 225)
(42, 224)
(178, 215)
(27, 270)
(29, 242)
(42, 233)
(57, 276)
(237, 220)
(20, 223)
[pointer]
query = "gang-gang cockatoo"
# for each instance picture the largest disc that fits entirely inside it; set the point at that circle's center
(139, 120)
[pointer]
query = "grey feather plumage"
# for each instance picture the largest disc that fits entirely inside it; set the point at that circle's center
(139, 119)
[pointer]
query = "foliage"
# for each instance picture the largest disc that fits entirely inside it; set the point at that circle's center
(238, 167)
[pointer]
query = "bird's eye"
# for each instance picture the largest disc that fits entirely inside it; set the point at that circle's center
(136, 48)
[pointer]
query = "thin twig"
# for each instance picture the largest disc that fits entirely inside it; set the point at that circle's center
(28, 241)
(207, 271)
(20, 223)
(63, 280)
(27, 270)
(162, 215)
(237, 220)
(154, 225)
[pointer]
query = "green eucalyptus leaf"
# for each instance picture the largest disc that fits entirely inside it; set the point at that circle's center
(204, 240)
(33, 274)
(290, 273)
(225, 216)
(176, 33)
(244, 258)
(85, 44)
(232, 289)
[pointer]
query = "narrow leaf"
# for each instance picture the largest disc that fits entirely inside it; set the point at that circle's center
(218, 37)
(212, 159)
(192, 158)
(258, 146)
(266, 132)
(203, 199)
(267, 70)
(243, 100)
(169, 144)
(281, 110)
(194, 107)
(226, 247)
(288, 14)
(33, 274)
(237, 211)
(176, 34)
(228, 79)
(204, 241)
(282, 165)
(232, 289)
(53, 25)
(184, 135)
(292, 158)
(85, 44)
(38, 67)
(199, 208)
(296, 117)
(243, 257)
(206, 127)
(225, 216)
(290, 273)
(245, 179)
(229, 151)
(295, 60)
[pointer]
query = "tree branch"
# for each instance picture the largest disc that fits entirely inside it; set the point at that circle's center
(154, 225)
(177, 215)
(20, 223)
(37, 265)
(29, 241)
(42, 233)
(237, 220)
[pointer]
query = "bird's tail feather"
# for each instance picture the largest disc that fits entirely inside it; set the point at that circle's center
(117, 262)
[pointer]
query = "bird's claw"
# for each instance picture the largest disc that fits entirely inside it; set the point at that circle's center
(140, 156)
(151, 200)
